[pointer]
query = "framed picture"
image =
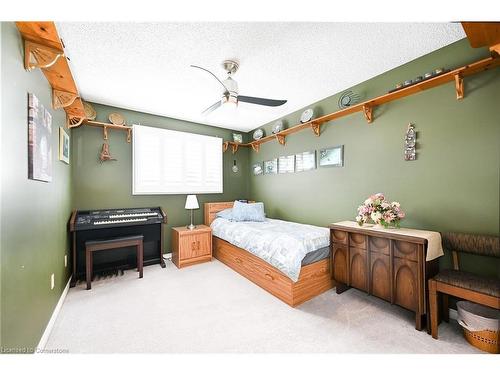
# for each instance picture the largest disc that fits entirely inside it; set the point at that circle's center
(286, 164)
(331, 157)
(39, 141)
(271, 166)
(63, 146)
(257, 169)
(305, 161)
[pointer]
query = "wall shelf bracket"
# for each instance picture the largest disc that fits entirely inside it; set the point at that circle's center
(225, 145)
(62, 99)
(234, 147)
(256, 147)
(105, 132)
(281, 139)
(73, 122)
(368, 111)
(459, 86)
(316, 128)
(129, 135)
(44, 56)
(495, 50)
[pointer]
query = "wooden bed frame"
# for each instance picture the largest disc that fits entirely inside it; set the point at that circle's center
(314, 278)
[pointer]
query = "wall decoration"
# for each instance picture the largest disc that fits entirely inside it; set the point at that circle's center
(307, 115)
(237, 138)
(104, 155)
(63, 146)
(278, 126)
(305, 161)
(286, 164)
(410, 143)
(428, 75)
(257, 169)
(258, 134)
(90, 112)
(331, 157)
(271, 166)
(347, 99)
(39, 141)
(116, 119)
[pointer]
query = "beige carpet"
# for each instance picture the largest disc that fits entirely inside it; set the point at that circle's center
(210, 308)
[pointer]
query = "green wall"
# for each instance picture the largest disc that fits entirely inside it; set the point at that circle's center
(452, 186)
(109, 184)
(34, 214)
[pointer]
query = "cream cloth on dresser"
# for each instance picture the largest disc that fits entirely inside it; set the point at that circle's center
(434, 245)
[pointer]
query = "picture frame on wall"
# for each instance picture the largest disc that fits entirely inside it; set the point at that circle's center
(257, 169)
(305, 161)
(39, 141)
(63, 146)
(331, 157)
(271, 166)
(286, 164)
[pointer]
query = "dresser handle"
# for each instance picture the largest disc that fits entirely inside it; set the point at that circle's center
(237, 260)
(269, 276)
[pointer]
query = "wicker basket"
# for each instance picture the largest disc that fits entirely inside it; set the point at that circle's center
(487, 341)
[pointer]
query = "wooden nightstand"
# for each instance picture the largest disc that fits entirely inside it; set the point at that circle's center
(191, 246)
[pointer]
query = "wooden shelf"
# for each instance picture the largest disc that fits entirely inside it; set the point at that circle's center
(366, 107)
(106, 126)
(44, 49)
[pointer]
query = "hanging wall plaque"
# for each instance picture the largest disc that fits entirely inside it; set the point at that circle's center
(410, 143)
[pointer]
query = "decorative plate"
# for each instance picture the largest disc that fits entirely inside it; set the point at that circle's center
(258, 134)
(116, 119)
(278, 126)
(90, 112)
(237, 138)
(307, 115)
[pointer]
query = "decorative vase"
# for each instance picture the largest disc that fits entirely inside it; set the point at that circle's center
(378, 226)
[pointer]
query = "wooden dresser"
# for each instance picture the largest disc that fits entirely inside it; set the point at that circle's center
(191, 246)
(384, 264)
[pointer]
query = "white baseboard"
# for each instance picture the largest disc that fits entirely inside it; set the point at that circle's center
(50, 324)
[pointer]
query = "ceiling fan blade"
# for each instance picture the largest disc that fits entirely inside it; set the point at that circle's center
(212, 108)
(261, 101)
(208, 71)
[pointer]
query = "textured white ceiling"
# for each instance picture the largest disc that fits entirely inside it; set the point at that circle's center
(145, 66)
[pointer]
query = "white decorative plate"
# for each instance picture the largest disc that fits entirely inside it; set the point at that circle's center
(258, 134)
(307, 115)
(278, 126)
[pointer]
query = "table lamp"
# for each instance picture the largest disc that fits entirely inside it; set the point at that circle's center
(191, 204)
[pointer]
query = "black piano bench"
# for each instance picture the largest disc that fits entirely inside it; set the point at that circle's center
(113, 243)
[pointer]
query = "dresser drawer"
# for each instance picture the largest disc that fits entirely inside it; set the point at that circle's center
(379, 245)
(357, 240)
(339, 236)
(406, 250)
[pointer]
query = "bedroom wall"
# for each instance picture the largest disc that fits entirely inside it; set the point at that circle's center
(109, 185)
(452, 186)
(34, 214)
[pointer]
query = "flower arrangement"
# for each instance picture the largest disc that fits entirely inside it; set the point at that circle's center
(380, 211)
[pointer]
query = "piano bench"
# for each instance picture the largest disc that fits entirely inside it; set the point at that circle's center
(109, 244)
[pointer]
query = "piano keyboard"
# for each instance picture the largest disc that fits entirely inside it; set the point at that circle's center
(105, 222)
(134, 215)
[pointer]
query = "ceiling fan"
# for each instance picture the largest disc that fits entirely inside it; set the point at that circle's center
(230, 94)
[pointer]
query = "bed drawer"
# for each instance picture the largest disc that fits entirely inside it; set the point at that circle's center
(252, 267)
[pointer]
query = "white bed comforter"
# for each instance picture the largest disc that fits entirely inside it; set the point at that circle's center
(282, 244)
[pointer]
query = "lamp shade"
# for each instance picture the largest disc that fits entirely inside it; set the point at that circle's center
(191, 203)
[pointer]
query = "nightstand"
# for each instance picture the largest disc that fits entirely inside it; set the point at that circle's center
(191, 246)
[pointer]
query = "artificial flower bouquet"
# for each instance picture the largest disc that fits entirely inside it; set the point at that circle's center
(380, 211)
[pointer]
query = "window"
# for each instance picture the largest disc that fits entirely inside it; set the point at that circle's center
(173, 162)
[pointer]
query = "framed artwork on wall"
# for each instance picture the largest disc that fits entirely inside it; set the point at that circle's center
(286, 164)
(331, 157)
(63, 146)
(271, 166)
(39, 141)
(305, 161)
(257, 169)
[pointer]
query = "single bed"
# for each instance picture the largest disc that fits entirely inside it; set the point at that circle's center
(313, 276)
